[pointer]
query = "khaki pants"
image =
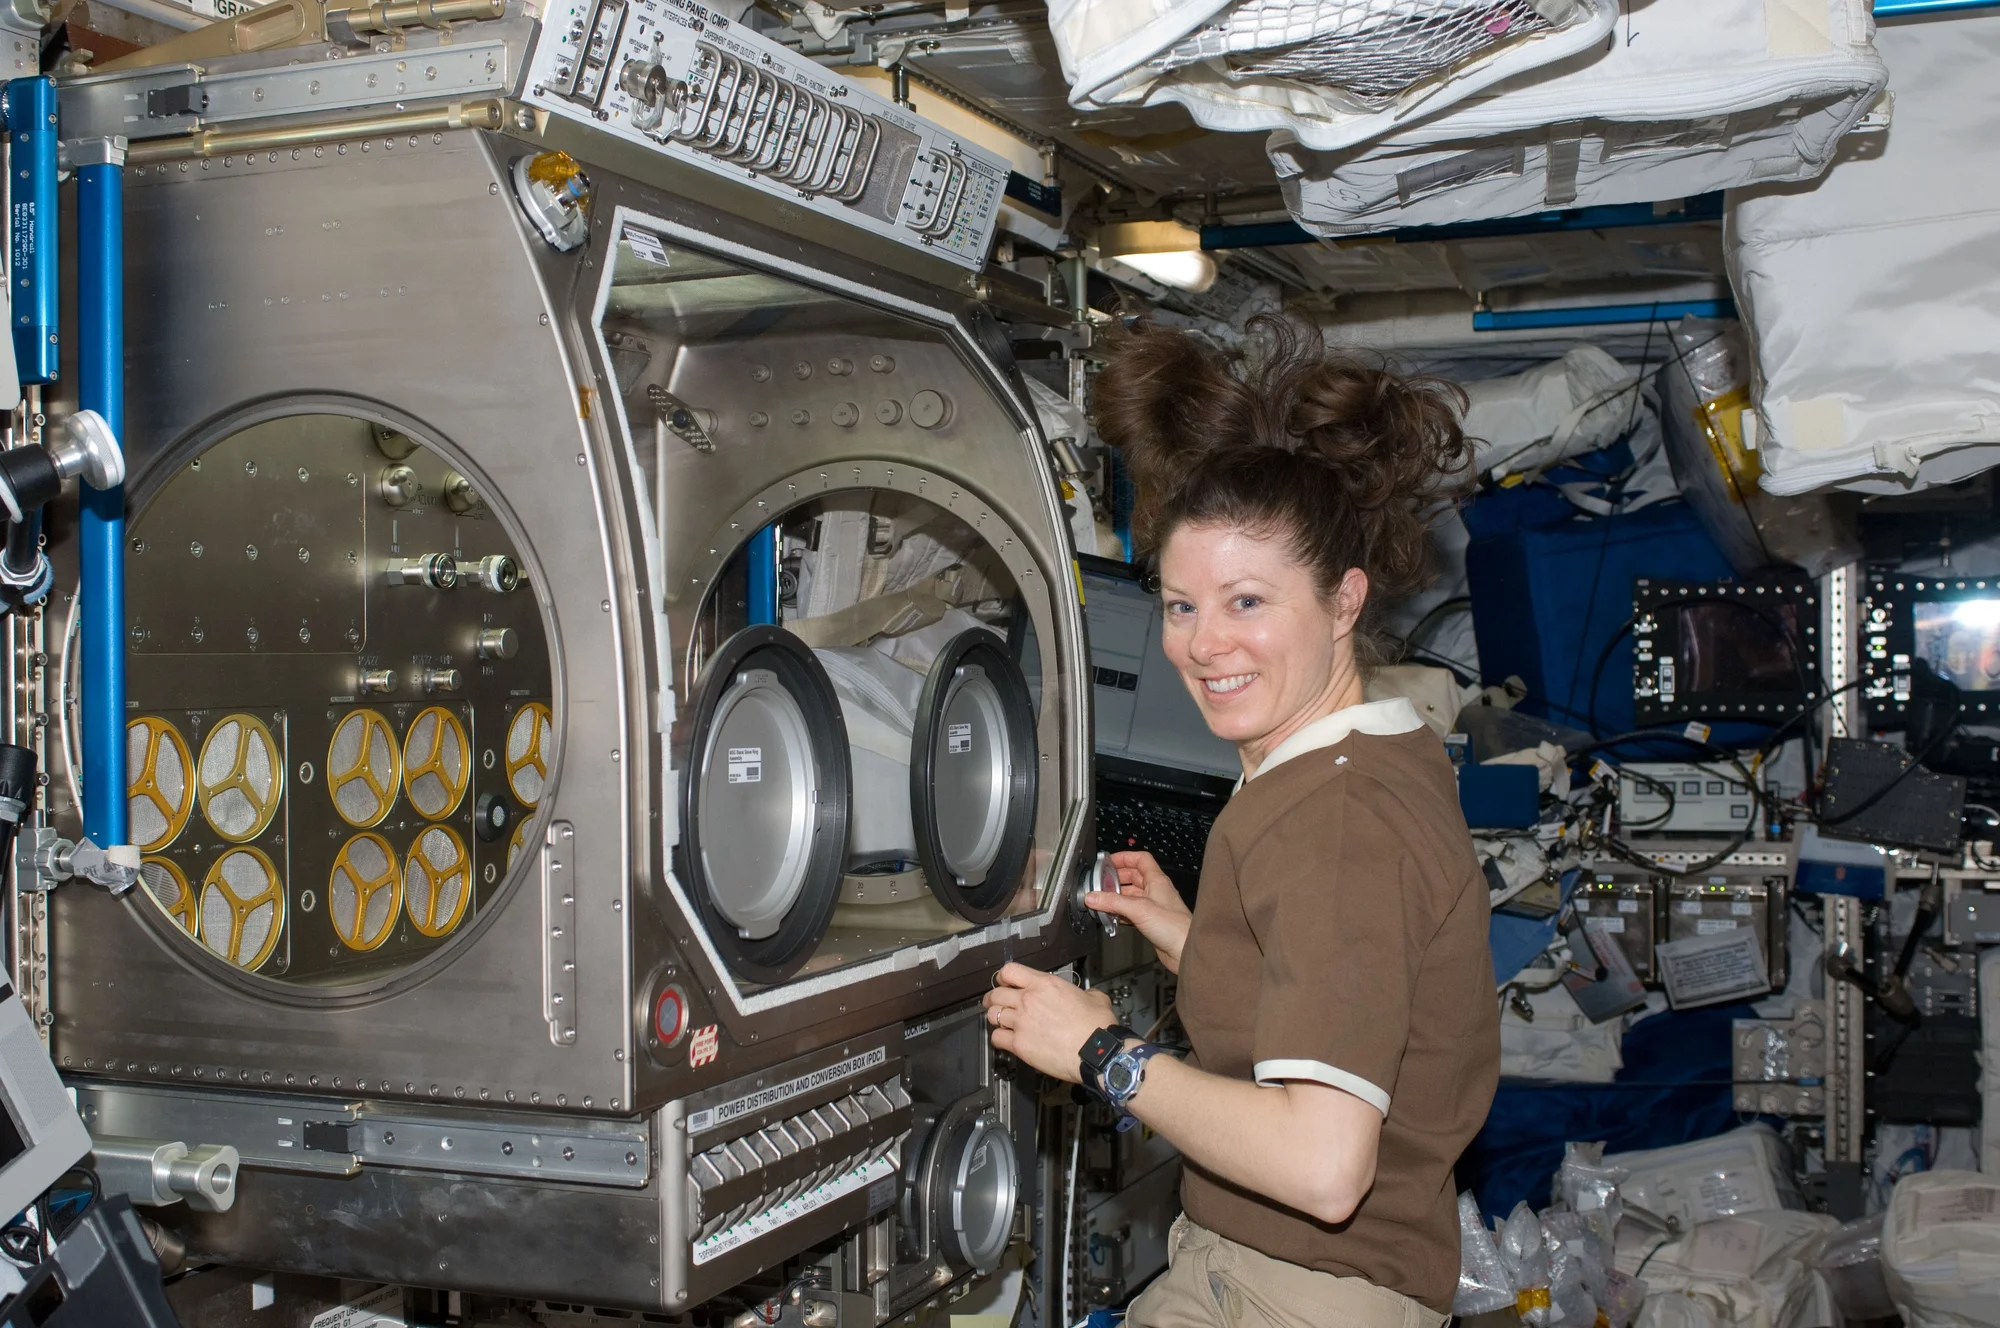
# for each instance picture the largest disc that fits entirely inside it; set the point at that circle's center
(1213, 1282)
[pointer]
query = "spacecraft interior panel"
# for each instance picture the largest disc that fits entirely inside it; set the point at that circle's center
(685, 81)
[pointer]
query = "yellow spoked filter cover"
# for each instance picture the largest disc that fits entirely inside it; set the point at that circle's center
(160, 797)
(170, 890)
(364, 766)
(365, 892)
(437, 880)
(525, 836)
(435, 765)
(529, 736)
(242, 908)
(241, 777)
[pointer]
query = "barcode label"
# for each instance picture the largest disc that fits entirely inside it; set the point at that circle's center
(746, 765)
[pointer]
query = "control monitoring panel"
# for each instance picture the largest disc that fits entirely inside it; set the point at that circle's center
(681, 80)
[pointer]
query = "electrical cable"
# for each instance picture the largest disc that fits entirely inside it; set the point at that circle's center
(1069, 1225)
(65, 731)
(1664, 1242)
(1454, 604)
(1618, 848)
(1787, 632)
(1613, 491)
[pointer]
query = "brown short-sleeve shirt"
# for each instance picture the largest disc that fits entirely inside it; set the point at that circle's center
(1340, 937)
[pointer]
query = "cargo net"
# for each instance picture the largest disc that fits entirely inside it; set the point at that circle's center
(1372, 51)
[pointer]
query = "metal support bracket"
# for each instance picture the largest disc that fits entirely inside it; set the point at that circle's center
(559, 933)
(172, 99)
(331, 1136)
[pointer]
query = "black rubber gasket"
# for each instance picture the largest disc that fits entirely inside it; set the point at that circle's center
(779, 955)
(981, 901)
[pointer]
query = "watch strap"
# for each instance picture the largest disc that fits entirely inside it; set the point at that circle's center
(1135, 1059)
(1097, 1052)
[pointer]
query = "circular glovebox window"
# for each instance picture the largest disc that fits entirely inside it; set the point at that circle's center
(978, 1185)
(973, 775)
(320, 708)
(765, 802)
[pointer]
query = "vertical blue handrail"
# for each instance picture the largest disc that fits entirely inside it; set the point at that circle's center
(31, 133)
(763, 589)
(100, 203)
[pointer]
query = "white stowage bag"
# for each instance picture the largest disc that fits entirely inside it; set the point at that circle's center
(1751, 1271)
(1688, 98)
(1941, 1249)
(1744, 1171)
(1530, 421)
(1870, 299)
(878, 701)
(1332, 73)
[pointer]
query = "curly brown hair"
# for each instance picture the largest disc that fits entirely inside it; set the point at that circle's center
(1342, 457)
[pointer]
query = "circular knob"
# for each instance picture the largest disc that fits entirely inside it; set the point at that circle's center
(441, 680)
(492, 818)
(929, 409)
(378, 680)
(459, 495)
(399, 485)
(85, 446)
(1100, 875)
(497, 643)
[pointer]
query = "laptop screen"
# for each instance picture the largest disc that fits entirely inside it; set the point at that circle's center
(1144, 712)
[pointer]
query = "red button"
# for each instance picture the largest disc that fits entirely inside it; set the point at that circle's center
(670, 1015)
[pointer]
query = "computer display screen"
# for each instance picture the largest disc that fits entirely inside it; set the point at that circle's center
(1961, 640)
(1143, 709)
(1725, 647)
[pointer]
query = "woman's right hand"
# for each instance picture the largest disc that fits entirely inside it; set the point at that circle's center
(1147, 900)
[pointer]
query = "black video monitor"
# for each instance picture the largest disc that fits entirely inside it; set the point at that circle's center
(1951, 623)
(1724, 650)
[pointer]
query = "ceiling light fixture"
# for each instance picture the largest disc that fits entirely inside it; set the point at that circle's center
(1167, 251)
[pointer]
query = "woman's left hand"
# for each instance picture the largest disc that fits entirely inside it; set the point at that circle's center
(1044, 1020)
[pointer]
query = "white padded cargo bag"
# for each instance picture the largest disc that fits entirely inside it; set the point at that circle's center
(1332, 72)
(1941, 1249)
(878, 702)
(1872, 300)
(1686, 98)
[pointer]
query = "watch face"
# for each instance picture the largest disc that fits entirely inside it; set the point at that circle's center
(1120, 1078)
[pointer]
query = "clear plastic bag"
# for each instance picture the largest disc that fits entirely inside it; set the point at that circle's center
(1527, 1261)
(1578, 1254)
(1585, 1185)
(1621, 1298)
(1484, 1284)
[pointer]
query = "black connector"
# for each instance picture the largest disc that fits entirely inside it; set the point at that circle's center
(28, 480)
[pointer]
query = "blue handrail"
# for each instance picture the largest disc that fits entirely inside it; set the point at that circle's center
(1596, 315)
(763, 590)
(100, 202)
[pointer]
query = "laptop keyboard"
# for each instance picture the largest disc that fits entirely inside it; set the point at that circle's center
(1175, 835)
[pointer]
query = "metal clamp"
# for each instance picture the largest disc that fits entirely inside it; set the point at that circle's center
(44, 860)
(156, 1172)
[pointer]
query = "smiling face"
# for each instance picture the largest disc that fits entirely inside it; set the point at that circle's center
(1261, 650)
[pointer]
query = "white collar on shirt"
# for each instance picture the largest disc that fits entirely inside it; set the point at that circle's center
(1383, 718)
